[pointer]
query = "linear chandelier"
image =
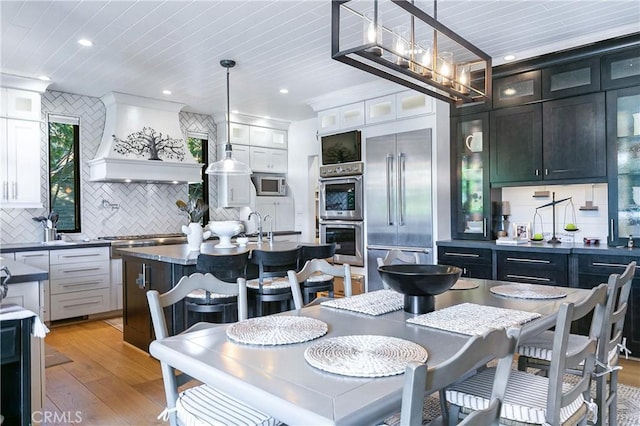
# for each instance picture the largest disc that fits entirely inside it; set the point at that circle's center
(397, 41)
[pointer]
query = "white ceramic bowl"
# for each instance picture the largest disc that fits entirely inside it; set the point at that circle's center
(242, 241)
(225, 230)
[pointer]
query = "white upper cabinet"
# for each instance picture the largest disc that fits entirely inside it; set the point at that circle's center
(20, 104)
(19, 164)
(380, 109)
(412, 103)
(267, 137)
(235, 191)
(268, 160)
(343, 118)
(239, 134)
(279, 209)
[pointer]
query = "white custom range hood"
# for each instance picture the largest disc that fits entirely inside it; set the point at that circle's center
(142, 142)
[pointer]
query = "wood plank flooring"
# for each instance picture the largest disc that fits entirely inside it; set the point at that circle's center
(111, 383)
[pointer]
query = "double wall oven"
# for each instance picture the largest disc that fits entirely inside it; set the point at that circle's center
(341, 211)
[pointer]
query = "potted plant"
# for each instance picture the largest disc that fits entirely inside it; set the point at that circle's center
(195, 209)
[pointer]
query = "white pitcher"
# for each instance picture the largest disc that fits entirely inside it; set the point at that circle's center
(195, 235)
(474, 142)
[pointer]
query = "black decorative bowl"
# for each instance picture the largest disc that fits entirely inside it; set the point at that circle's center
(419, 283)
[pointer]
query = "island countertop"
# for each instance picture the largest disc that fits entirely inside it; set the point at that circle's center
(21, 272)
(181, 255)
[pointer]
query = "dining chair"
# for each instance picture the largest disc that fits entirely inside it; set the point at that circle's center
(421, 380)
(396, 256)
(228, 268)
(320, 267)
(272, 284)
(319, 281)
(202, 404)
(531, 399)
(537, 352)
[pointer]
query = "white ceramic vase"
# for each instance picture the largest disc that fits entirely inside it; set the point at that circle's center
(195, 235)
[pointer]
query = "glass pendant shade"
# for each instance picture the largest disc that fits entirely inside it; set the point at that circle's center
(228, 166)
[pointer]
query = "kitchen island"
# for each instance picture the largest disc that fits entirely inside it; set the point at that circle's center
(160, 268)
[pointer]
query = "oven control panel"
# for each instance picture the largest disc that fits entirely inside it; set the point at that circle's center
(343, 169)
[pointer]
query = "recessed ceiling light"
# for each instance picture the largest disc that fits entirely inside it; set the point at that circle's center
(44, 78)
(509, 57)
(166, 92)
(284, 91)
(234, 111)
(85, 42)
(266, 117)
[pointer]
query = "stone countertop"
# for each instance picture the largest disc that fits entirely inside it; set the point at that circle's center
(180, 254)
(21, 272)
(544, 247)
(54, 245)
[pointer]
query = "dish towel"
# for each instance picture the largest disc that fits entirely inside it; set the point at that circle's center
(11, 311)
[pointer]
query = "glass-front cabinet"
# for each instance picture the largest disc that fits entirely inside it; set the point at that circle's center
(623, 139)
(471, 193)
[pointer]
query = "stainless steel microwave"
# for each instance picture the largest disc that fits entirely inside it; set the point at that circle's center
(270, 184)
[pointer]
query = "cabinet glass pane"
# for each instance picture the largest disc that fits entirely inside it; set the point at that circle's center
(628, 132)
(517, 90)
(569, 79)
(472, 181)
(627, 67)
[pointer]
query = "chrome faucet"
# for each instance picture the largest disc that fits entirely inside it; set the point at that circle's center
(270, 233)
(259, 216)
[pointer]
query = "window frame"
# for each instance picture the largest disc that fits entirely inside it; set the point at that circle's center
(204, 140)
(77, 199)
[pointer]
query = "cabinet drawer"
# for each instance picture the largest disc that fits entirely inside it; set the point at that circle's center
(79, 270)
(79, 284)
(533, 268)
(39, 259)
(605, 265)
(464, 255)
(79, 255)
(80, 303)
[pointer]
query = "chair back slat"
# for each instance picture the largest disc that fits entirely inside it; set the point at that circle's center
(396, 256)
(321, 265)
(619, 289)
(228, 267)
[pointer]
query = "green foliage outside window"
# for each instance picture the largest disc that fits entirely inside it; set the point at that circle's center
(198, 148)
(64, 197)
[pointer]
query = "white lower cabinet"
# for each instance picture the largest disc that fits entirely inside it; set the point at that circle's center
(281, 211)
(79, 281)
(40, 260)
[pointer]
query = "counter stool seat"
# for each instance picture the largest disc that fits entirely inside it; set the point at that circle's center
(317, 282)
(270, 284)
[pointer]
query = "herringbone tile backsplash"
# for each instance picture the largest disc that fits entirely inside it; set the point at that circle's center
(144, 208)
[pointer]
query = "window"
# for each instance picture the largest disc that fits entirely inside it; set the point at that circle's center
(198, 144)
(64, 171)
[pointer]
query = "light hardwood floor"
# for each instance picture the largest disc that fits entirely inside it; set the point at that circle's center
(112, 383)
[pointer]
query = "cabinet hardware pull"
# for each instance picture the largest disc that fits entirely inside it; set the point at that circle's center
(80, 270)
(484, 227)
(34, 255)
(14, 192)
(71, 256)
(447, 253)
(611, 233)
(524, 277)
(611, 265)
(537, 172)
(516, 259)
(81, 304)
(546, 172)
(82, 283)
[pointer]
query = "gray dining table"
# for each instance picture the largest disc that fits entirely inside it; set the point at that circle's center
(278, 380)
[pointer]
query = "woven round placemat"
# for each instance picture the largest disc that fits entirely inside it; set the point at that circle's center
(528, 291)
(364, 355)
(276, 330)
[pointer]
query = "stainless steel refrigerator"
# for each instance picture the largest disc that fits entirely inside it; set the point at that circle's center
(398, 198)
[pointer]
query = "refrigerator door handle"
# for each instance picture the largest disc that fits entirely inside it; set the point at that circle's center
(401, 248)
(400, 188)
(389, 173)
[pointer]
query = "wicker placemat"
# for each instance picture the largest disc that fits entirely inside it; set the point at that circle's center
(472, 319)
(464, 285)
(364, 355)
(371, 303)
(276, 330)
(528, 291)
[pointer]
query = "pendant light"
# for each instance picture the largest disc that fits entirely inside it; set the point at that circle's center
(228, 165)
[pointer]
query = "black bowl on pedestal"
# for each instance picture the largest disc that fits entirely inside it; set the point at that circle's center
(419, 283)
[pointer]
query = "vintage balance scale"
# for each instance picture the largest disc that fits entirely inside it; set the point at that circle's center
(569, 227)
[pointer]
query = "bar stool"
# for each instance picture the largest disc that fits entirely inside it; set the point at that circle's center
(272, 284)
(227, 268)
(318, 281)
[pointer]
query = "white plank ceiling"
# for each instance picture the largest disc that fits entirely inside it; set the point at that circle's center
(144, 47)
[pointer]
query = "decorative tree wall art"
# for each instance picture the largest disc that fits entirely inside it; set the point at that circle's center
(148, 141)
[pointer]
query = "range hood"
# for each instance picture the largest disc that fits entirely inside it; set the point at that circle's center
(142, 142)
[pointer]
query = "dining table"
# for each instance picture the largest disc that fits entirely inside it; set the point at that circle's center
(279, 379)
